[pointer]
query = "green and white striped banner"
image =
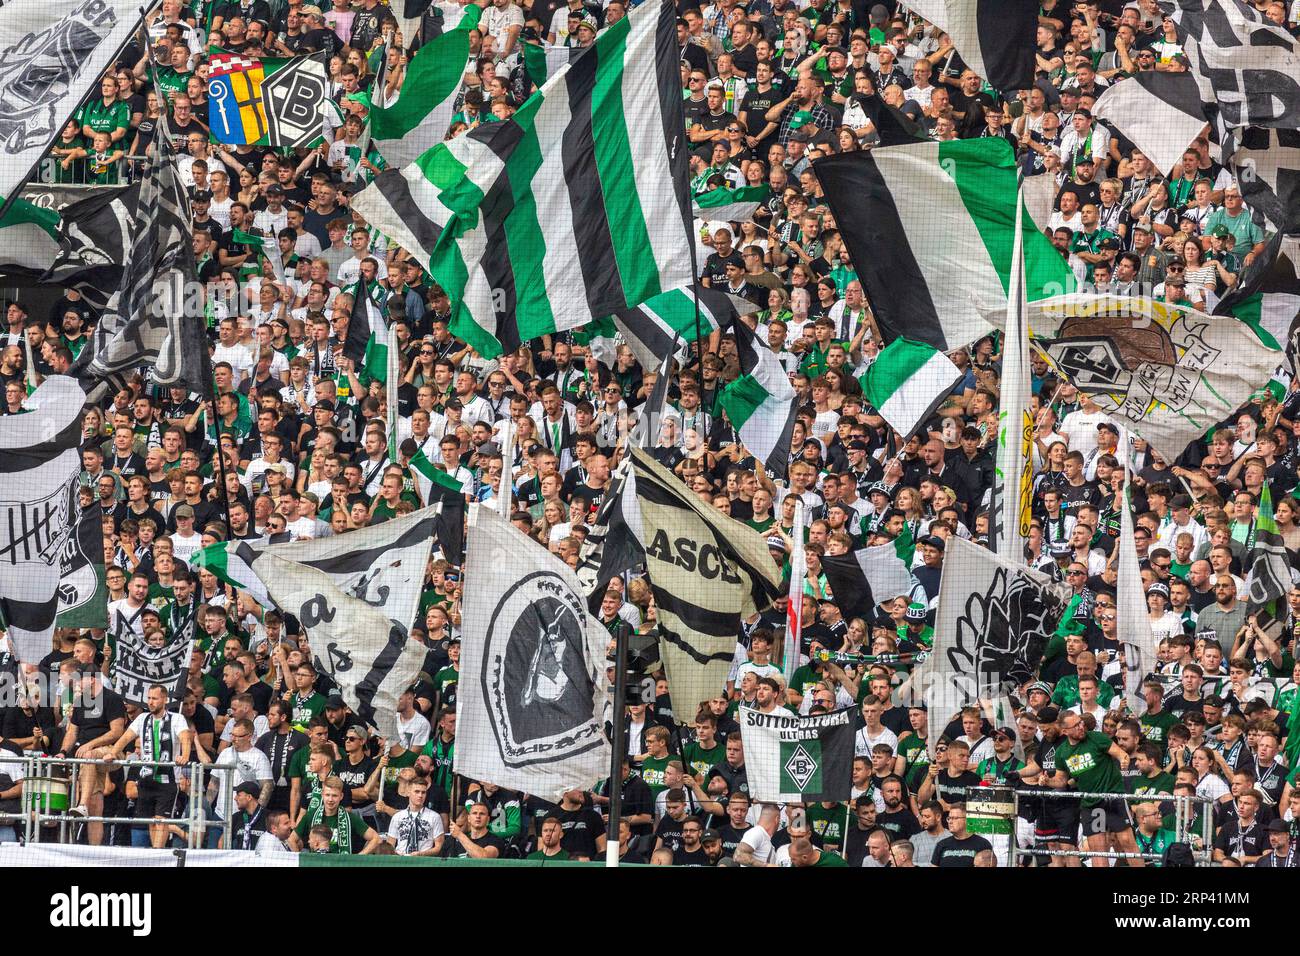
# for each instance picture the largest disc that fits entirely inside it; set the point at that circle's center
(568, 212)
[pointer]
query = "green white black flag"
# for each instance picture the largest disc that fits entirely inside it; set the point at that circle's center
(794, 759)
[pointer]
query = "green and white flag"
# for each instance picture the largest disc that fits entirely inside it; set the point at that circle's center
(731, 205)
(369, 336)
(267, 247)
(794, 759)
(1270, 575)
(572, 210)
(907, 382)
(1267, 295)
(29, 239)
(761, 402)
(947, 214)
(433, 481)
(651, 328)
(543, 61)
(419, 119)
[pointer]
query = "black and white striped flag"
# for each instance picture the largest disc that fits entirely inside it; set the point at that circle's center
(1267, 165)
(1243, 64)
(707, 571)
(1160, 112)
(995, 38)
(569, 211)
(156, 317)
(39, 463)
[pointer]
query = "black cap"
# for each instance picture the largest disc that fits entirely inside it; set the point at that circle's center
(1107, 427)
(713, 836)
(250, 788)
(201, 195)
(335, 702)
(858, 445)
(1275, 826)
(1048, 715)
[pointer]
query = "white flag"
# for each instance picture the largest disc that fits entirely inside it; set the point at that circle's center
(53, 53)
(38, 510)
(533, 688)
(365, 652)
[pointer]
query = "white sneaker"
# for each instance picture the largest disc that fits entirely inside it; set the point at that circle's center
(79, 811)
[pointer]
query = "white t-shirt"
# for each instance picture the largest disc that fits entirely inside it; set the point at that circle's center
(1080, 430)
(185, 547)
(863, 741)
(414, 733)
(260, 726)
(250, 766)
(268, 844)
(757, 839)
(144, 744)
(415, 831)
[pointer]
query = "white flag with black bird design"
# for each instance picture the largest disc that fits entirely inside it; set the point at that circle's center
(532, 694)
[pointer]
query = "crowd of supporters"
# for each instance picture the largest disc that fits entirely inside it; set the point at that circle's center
(293, 444)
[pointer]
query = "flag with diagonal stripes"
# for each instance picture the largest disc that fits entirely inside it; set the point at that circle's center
(156, 317)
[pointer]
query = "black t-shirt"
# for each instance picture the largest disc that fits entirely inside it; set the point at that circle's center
(685, 857)
(731, 837)
(951, 853)
(354, 776)
(18, 724)
(93, 722)
(1235, 841)
(670, 831)
(581, 827)
(715, 267)
(454, 849)
(900, 823)
(952, 789)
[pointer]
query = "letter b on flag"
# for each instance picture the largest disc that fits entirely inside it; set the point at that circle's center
(801, 766)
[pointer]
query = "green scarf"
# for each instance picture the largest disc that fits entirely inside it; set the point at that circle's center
(342, 842)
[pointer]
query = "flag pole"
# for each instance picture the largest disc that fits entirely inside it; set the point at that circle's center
(794, 609)
(505, 485)
(619, 750)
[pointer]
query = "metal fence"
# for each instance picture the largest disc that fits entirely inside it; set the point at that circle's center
(51, 786)
(80, 172)
(1184, 817)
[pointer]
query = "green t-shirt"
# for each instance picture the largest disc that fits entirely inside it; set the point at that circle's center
(760, 526)
(700, 761)
(1066, 693)
(105, 119)
(998, 770)
(1156, 843)
(805, 679)
(828, 823)
(1155, 728)
(539, 855)
(916, 761)
(652, 772)
(1090, 765)
(305, 708)
(359, 829)
(395, 765)
(830, 859)
(1150, 786)
(444, 678)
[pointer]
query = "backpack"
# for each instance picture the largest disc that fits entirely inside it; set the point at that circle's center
(1177, 854)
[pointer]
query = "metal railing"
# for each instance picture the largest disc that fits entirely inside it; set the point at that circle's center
(51, 171)
(1183, 819)
(46, 779)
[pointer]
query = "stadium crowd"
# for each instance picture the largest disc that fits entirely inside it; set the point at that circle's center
(293, 445)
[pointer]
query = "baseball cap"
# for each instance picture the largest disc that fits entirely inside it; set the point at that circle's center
(185, 511)
(713, 836)
(201, 195)
(933, 540)
(1274, 826)
(775, 542)
(250, 788)
(359, 731)
(335, 702)
(1107, 427)
(1005, 732)
(1048, 715)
